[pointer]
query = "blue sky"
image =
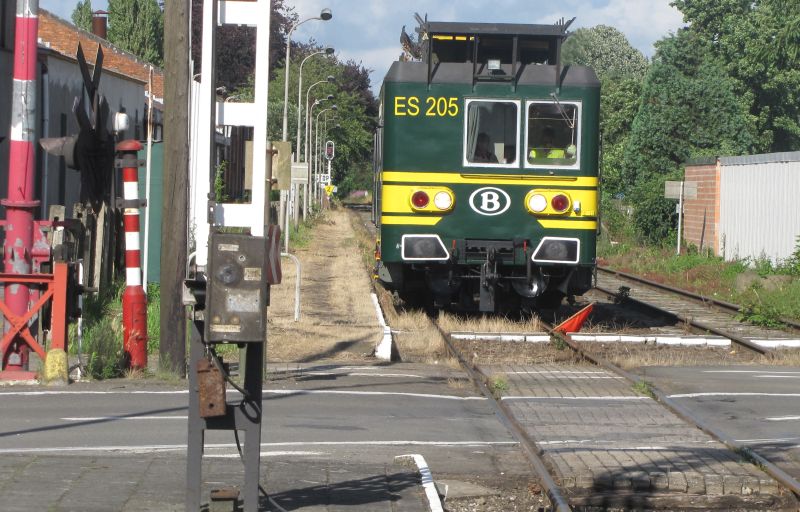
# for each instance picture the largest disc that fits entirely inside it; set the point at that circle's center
(368, 31)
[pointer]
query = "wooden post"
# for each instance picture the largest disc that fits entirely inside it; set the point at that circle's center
(176, 173)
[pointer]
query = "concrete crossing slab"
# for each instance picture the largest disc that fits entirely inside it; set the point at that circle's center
(602, 437)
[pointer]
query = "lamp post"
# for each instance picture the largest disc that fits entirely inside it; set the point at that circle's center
(330, 79)
(324, 15)
(309, 123)
(323, 144)
(316, 139)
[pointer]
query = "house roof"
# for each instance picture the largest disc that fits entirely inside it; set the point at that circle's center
(63, 37)
(766, 158)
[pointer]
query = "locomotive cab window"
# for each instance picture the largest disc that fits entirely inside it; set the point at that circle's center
(490, 136)
(553, 134)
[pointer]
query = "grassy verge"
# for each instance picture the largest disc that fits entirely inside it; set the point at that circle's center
(101, 346)
(766, 291)
(300, 236)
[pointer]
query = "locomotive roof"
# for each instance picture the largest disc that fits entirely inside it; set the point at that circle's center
(456, 73)
(507, 29)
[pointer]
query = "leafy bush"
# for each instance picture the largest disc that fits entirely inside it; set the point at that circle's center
(654, 216)
(102, 336)
(153, 317)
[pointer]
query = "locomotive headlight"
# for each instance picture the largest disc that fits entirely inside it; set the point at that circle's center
(537, 203)
(555, 250)
(442, 200)
(431, 199)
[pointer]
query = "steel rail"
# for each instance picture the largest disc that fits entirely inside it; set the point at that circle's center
(528, 447)
(694, 323)
(691, 295)
(684, 413)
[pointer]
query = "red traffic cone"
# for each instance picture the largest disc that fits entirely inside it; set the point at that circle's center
(575, 322)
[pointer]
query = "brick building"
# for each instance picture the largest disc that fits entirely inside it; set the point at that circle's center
(745, 206)
(701, 214)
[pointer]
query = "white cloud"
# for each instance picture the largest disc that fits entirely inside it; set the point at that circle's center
(642, 22)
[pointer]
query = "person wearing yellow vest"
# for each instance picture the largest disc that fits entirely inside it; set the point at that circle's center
(547, 150)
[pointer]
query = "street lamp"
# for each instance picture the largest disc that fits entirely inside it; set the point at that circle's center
(323, 140)
(309, 123)
(327, 51)
(330, 80)
(324, 15)
(316, 138)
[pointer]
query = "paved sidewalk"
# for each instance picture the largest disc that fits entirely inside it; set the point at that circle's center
(603, 440)
(156, 484)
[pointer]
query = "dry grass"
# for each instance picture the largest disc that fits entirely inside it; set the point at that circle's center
(783, 357)
(337, 319)
(484, 353)
(486, 323)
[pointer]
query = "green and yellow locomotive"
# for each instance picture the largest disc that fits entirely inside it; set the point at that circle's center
(486, 165)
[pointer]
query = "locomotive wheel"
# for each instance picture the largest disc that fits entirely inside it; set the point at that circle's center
(550, 299)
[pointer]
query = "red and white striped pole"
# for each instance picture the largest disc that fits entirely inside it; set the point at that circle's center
(134, 301)
(20, 203)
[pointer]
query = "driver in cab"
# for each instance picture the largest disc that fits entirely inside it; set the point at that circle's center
(547, 150)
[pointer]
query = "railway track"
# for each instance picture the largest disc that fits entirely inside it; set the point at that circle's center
(771, 469)
(529, 448)
(703, 314)
(710, 301)
(538, 456)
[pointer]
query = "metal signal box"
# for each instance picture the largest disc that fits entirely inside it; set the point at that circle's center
(236, 289)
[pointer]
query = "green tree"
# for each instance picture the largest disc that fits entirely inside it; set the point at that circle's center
(689, 107)
(350, 127)
(138, 27)
(619, 104)
(758, 43)
(606, 50)
(621, 68)
(82, 15)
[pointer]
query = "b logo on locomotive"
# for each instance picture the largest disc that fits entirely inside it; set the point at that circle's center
(489, 201)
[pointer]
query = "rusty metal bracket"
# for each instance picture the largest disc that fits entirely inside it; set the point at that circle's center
(211, 386)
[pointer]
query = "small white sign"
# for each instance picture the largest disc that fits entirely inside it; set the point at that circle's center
(300, 172)
(672, 189)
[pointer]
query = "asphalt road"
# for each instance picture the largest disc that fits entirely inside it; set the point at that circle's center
(757, 405)
(321, 420)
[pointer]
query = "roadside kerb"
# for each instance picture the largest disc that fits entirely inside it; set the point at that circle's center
(384, 348)
(426, 477)
(687, 341)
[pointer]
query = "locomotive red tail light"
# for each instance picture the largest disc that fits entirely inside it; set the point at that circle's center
(560, 203)
(420, 199)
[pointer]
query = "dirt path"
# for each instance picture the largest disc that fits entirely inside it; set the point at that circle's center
(337, 316)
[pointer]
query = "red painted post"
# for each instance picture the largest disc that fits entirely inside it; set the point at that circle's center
(134, 301)
(58, 310)
(20, 203)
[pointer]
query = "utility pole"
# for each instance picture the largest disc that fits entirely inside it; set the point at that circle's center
(174, 235)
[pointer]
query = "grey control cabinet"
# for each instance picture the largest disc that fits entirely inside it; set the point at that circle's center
(236, 291)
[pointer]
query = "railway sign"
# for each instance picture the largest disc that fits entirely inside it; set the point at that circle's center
(672, 189)
(282, 164)
(300, 173)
